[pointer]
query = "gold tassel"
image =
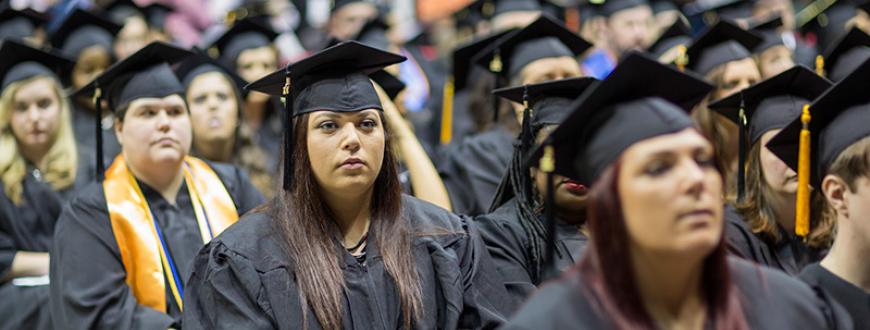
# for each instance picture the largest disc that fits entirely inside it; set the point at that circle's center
(682, 59)
(495, 64)
(820, 65)
(548, 161)
(802, 212)
(447, 112)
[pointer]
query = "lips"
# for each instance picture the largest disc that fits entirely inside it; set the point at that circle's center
(214, 123)
(352, 163)
(165, 141)
(574, 187)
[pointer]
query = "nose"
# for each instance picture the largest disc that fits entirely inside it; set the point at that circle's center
(351, 140)
(693, 178)
(163, 121)
(33, 113)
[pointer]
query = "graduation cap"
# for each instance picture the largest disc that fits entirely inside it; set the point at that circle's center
(810, 144)
(19, 24)
(768, 29)
(154, 13)
(770, 104)
(610, 7)
(678, 34)
(333, 79)
(508, 6)
(391, 85)
(708, 13)
(21, 62)
(198, 63)
(847, 54)
(826, 19)
(145, 73)
(659, 6)
(243, 35)
(472, 14)
(337, 4)
(611, 116)
(83, 29)
(374, 33)
(462, 58)
(720, 44)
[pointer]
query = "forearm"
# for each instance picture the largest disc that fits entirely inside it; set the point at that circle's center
(425, 181)
(26, 264)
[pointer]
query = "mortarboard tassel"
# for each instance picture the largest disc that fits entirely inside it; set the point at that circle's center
(495, 66)
(447, 112)
(741, 152)
(802, 212)
(682, 59)
(98, 108)
(288, 135)
(526, 132)
(820, 65)
(548, 165)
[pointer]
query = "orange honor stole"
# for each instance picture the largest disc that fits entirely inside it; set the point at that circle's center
(143, 250)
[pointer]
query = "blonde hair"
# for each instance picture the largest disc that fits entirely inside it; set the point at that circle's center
(60, 161)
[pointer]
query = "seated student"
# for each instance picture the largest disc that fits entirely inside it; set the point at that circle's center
(667, 268)
(22, 25)
(123, 246)
(670, 46)
(625, 25)
(340, 247)
(761, 227)
(37, 166)
(772, 55)
(838, 166)
(544, 50)
(141, 24)
(87, 38)
(214, 97)
(515, 231)
(846, 55)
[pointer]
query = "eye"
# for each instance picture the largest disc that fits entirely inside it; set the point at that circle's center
(704, 159)
(657, 167)
(327, 126)
(223, 96)
(20, 106)
(175, 111)
(149, 112)
(44, 103)
(199, 99)
(368, 124)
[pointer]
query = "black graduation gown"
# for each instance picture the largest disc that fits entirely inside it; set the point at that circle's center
(508, 244)
(473, 169)
(26, 227)
(83, 129)
(244, 279)
(88, 288)
(770, 300)
(270, 134)
(790, 255)
(853, 299)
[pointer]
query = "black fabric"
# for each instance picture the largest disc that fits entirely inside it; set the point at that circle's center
(462, 58)
(854, 300)
(790, 255)
(508, 244)
(391, 85)
(21, 62)
(88, 288)
(374, 33)
(769, 299)
(509, 6)
(83, 129)
(720, 44)
(847, 54)
(19, 24)
(769, 30)
(548, 100)
(199, 63)
(471, 170)
(83, 29)
(243, 35)
(610, 7)
(245, 278)
(677, 34)
(155, 81)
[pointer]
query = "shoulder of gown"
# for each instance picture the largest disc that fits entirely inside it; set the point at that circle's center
(852, 302)
(238, 185)
(740, 239)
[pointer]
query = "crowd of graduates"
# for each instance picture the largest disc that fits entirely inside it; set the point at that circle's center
(374, 164)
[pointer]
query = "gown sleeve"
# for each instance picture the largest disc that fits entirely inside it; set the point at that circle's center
(505, 243)
(224, 292)
(88, 287)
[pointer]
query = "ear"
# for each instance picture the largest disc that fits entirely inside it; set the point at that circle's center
(835, 191)
(119, 129)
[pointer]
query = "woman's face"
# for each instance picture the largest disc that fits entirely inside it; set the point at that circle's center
(91, 63)
(671, 194)
(132, 37)
(214, 109)
(155, 131)
(36, 114)
(346, 149)
(570, 195)
(546, 69)
(778, 176)
(774, 61)
(737, 76)
(256, 63)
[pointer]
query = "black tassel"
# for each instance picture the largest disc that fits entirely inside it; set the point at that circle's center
(741, 153)
(288, 135)
(98, 130)
(526, 132)
(547, 165)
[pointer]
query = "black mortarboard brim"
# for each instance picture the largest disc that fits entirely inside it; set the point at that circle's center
(544, 38)
(374, 33)
(391, 85)
(120, 10)
(156, 14)
(333, 79)
(469, 15)
(610, 7)
(828, 23)
(337, 4)
(677, 34)
(508, 6)
(19, 24)
(659, 6)
(83, 29)
(709, 13)
(720, 44)
(773, 103)
(838, 119)
(548, 100)
(21, 62)
(848, 53)
(463, 56)
(768, 29)
(199, 63)
(145, 73)
(598, 129)
(243, 35)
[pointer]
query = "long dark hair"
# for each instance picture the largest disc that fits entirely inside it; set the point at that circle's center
(305, 222)
(608, 270)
